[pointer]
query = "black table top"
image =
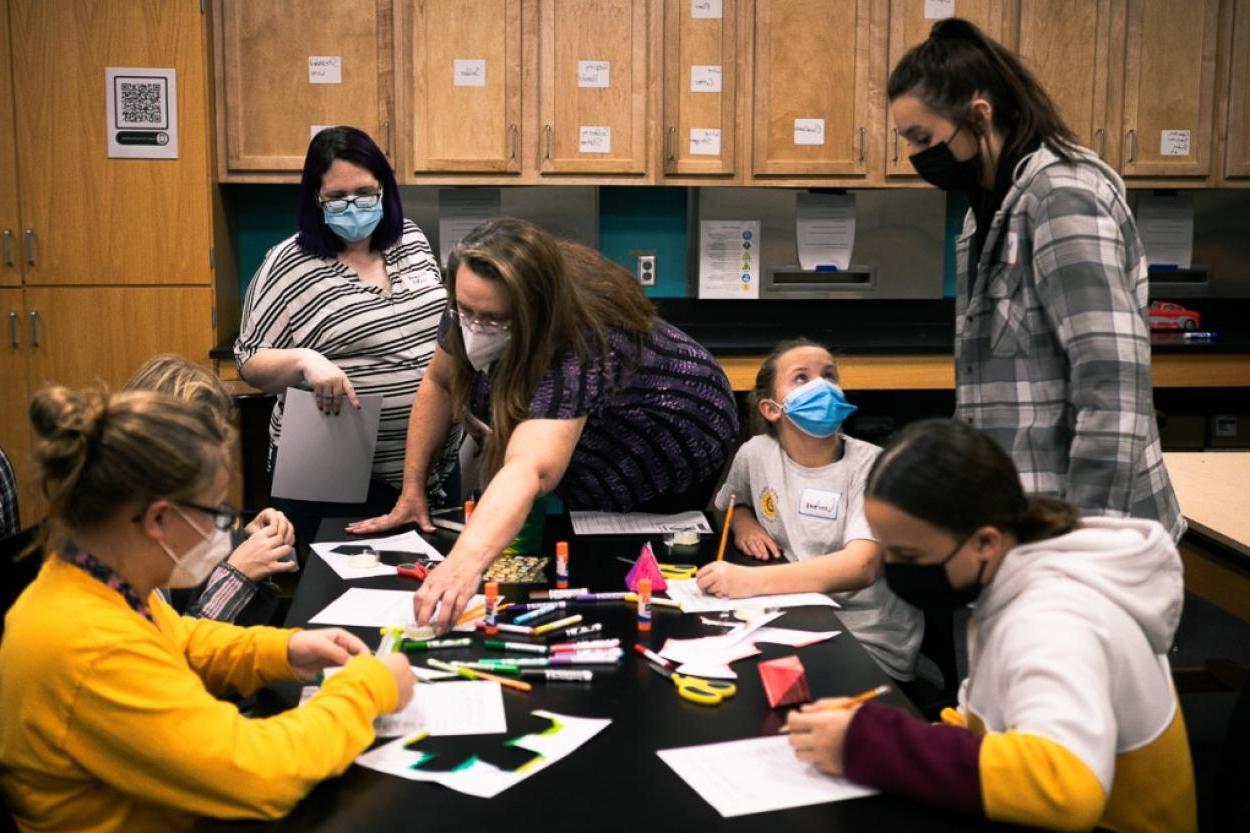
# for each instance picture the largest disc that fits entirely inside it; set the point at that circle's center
(615, 781)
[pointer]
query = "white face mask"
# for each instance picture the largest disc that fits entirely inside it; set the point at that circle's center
(483, 347)
(198, 562)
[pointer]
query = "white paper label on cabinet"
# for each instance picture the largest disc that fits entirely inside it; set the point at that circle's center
(595, 140)
(705, 9)
(468, 72)
(593, 73)
(704, 141)
(315, 129)
(325, 69)
(1174, 143)
(141, 112)
(939, 9)
(809, 131)
(704, 78)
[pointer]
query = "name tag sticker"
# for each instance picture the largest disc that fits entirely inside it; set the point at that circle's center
(819, 503)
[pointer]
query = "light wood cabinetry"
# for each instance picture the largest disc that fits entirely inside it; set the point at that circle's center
(700, 90)
(1169, 88)
(10, 220)
(1237, 125)
(15, 434)
(593, 86)
(811, 88)
(286, 71)
(459, 76)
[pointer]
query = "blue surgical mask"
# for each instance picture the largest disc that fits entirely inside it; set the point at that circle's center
(356, 223)
(817, 408)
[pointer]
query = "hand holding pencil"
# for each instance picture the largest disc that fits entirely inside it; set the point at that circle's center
(818, 731)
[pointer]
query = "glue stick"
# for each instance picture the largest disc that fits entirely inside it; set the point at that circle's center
(644, 604)
(562, 565)
(492, 608)
(468, 509)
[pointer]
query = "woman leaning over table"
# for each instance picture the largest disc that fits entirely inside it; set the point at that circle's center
(1052, 348)
(580, 389)
(109, 711)
(349, 305)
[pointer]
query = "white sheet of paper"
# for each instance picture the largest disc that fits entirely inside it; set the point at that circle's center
(637, 523)
(705, 78)
(793, 638)
(367, 608)
(594, 139)
(460, 210)
(1174, 143)
(1166, 226)
(326, 456)
(694, 600)
(340, 563)
(706, 9)
(704, 141)
(314, 129)
(756, 776)
(594, 74)
(939, 9)
(809, 131)
(141, 112)
(468, 72)
(824, 226)
(482, 779)
(462, 707)
(728, 259)
(325, 69)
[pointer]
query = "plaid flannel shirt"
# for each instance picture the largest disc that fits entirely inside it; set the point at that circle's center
(1052, 348)
(10, 521)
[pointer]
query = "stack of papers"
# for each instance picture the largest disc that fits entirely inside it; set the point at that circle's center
(468, 707)
(694, 600)
(409, 542)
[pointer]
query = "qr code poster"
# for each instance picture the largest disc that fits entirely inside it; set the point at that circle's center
(142, 113)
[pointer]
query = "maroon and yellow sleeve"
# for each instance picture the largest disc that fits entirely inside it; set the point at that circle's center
(1005, 776)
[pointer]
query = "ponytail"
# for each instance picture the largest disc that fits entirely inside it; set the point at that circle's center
(959, 62)
(1044, 517)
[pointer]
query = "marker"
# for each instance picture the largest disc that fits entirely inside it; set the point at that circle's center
(585, 645)
(562, 565)
(644, 604)
(431, 644)
(562, 593)
(585, 630)
(563, 675)
(538, 612)
(472, 674)
(652, 655)
(515, 662)
(503, 627)
(587, 658)
(602, 597)
(498, 667)
(500, 645)
(556, 625)
(526, 606)
(492, 601)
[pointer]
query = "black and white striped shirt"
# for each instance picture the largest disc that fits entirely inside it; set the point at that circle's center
(382, 342)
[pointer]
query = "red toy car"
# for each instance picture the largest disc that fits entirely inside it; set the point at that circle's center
(1165, 315)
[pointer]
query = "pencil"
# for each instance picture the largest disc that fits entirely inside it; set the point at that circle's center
(474, 674)
(724, 533)
(862, 697)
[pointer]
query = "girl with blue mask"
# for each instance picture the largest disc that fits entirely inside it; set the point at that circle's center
(798, 494)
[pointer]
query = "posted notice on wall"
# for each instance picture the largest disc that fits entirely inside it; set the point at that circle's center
(142, 115)
(460, 210)
(729, 259)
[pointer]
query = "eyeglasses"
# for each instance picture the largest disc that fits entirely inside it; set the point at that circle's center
(477, 323)
(225, 516)
(337, 205)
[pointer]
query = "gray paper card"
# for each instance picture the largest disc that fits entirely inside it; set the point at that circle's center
(326, 457)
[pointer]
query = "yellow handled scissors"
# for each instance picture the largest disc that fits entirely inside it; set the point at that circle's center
(678, 572)
(696, 689)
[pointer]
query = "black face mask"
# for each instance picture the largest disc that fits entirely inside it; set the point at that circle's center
(938, 166)
(927, 586)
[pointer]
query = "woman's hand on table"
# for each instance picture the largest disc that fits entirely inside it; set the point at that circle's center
(330, 385)
(818, 733)
(447, 590)
(311, 652)
(754, 540)
(411, 507)
(728, 581)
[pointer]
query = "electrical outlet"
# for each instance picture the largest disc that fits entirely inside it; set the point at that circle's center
(646, 270)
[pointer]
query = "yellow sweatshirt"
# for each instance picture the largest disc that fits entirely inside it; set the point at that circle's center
(108, 723)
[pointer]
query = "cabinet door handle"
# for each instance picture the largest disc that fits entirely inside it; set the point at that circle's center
(547, 133)
(863, 135)
(29, 237)
(1132, 145)
(34, 328)
(671, 153)
(13, 328)
(1100, 137)
(514, 140)
(894, 133)
(8, 247)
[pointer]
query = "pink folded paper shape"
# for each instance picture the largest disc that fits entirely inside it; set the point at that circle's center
(646, 567)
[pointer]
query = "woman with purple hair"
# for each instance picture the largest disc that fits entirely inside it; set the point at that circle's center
(349, 305)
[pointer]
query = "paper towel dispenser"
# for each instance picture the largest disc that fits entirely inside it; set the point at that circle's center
(797, 283)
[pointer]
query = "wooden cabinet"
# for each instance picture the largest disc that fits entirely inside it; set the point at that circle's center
(909, 26)
(811, 88)
(1237, 128)
(700, 89)
(15, 436)
(593, 86)
(1169, 88)
(1070, 60)
(459, 79)
(288, 69)
(10, 220)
